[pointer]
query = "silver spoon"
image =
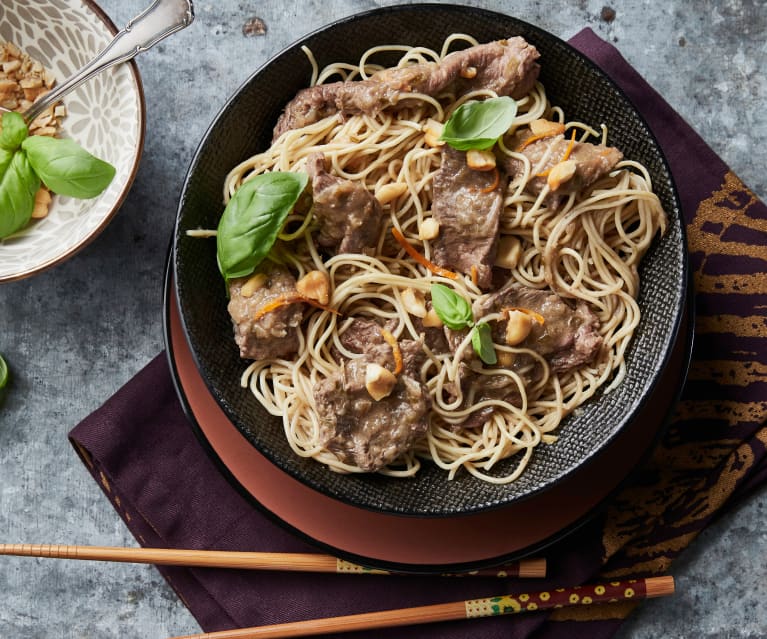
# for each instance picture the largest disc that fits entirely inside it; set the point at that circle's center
(161, 19)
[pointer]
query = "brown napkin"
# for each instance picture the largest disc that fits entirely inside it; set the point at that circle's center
(145, 456)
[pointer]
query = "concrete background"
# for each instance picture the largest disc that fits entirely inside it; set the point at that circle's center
(75, 334)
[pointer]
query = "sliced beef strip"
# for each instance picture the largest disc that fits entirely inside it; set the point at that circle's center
(349, 215)
(359, 430)
(468, 215)
(592, 162)
(364, 336)
(275, 334)
(507, 67)
(569, 336)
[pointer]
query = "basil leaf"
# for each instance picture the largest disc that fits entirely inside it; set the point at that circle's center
(14, 131)
(478, 125)
(252, 219)
(452, 309)
(482, 341)
(4, 375)
(66, 168)
(18, 186)
(5, 161)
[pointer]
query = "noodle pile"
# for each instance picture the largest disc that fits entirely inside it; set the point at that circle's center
(588, 248)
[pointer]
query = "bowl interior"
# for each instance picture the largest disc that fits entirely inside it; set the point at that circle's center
(105, 116)
(244, 126)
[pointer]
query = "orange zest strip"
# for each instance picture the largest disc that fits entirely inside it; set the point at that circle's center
(536, 316)
(392, 341)
(566, 156)
(570, 147)
(534, 138)
(494, 184)
(285, 300)
(412, 252)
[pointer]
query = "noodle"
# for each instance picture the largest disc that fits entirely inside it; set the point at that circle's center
(588, 248)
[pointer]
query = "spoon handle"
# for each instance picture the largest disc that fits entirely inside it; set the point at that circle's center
(161, 19)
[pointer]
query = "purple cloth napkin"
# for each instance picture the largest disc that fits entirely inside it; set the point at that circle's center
(150, 465)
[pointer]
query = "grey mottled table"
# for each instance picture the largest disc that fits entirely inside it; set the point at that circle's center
(75, 334)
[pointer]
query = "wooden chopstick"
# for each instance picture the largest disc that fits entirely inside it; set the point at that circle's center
(300, 562)
(633, 589)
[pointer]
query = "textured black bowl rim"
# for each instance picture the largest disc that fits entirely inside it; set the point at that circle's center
(675, 211)
(687, 334)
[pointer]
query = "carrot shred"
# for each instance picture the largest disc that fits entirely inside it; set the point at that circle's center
(392, 341)
(494, 184)
(412, 252)
(474, 274)
(285, 300)
(535, 315)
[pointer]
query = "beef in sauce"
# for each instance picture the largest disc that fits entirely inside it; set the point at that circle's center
(467, 205)
(265, 335)
(507, 67)
(349, 215)
(359, 428)
(585, 163)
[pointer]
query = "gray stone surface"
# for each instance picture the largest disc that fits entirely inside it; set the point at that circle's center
(75, 334)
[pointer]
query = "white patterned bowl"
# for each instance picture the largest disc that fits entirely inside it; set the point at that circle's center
(105, 116)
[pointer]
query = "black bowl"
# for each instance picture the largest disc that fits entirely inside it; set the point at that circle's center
(244, 127)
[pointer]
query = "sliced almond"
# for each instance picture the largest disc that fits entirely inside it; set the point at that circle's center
(518, 327)
(389, 192)
(414, 302)
(561, 173)
(546, 127)
(432, 132)
(432, 320)
(254, 283)
(429, 229)
(509, 251)
(379, 381)
(315, 285)
(480, 160)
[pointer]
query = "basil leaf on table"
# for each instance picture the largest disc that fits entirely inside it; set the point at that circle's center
(4, 375)
(66, 168)
(482, 341)
(14, 131)
(479, 124)
(451, 308)
(18, 186)
(252, 220)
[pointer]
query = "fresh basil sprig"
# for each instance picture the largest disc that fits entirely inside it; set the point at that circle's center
(61, 164)
(18, 186)
(452, 309)
(14, 131)
(479, 124)
(66, 168)
(455, 313)
(252, 220)
(4, 375)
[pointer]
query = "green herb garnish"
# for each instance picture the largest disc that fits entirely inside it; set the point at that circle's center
(455, 313)
(4, 375)
(61, 164)
(478, 125)
(18, 186)
(252, 220)
(66, 168)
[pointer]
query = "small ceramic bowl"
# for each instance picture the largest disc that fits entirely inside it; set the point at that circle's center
(105, 116)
